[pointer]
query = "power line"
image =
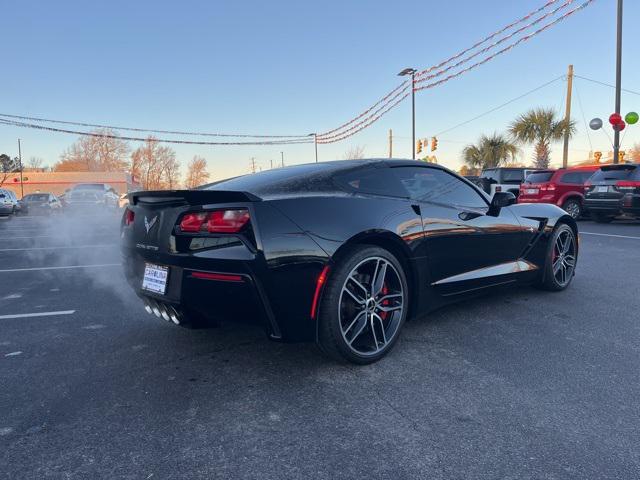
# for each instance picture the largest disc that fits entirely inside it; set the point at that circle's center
(499, 106)
(495, 44)
(149, 130)
(140, 139)
(486, 39)
(606, 84)
(507, 48)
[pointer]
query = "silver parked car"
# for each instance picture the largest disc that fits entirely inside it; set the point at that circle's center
(8, 202)
(91, 196)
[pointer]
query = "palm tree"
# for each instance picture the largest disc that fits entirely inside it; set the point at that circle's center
(490, 152)
(540, 127)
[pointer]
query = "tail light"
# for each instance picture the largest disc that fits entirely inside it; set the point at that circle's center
(217, 221)
(129, 216)
(549, 187)
(627, 185)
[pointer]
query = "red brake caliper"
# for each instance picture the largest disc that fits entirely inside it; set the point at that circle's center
(386, 302)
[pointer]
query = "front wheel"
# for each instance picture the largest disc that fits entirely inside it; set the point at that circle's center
(561, 259)
(364, 306)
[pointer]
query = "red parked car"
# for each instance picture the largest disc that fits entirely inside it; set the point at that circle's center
(563, 187)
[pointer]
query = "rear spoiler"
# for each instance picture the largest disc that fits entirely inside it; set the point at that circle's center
(190, 197)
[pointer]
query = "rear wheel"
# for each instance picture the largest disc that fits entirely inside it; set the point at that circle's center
(562, 256)
(573, 207)
(601, 218)
(364, 306)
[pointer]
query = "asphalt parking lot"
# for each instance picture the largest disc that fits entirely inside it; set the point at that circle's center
(520, 384)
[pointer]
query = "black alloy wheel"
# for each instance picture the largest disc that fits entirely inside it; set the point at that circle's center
(562, 257)
(573, 208)
(364, 306)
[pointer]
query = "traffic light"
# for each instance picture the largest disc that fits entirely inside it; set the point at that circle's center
(597, 156)
(621, 156)
(419, 146)
(434, 144)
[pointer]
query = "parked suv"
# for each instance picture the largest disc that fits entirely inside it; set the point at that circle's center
(613, 190)
(563, 187)
(503, 179)
(91, 196)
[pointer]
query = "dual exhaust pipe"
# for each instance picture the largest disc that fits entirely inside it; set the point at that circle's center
(160, 310)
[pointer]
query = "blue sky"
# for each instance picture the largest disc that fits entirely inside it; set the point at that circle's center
(295, 67)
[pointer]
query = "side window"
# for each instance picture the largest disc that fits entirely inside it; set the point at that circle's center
(573, 177)
(434, 185)
(373, 181)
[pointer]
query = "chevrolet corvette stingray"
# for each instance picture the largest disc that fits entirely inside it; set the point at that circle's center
(340, 253)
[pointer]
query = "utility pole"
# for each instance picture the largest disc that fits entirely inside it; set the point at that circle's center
(20, 160)
(282, 158)
(253, 164)
(413, 114)
(412, 72)
(390, 143)
(315, 143)
(616, 133)
(567, 118)
(271, 162)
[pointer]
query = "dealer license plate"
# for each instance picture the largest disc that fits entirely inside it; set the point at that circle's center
(155, 278)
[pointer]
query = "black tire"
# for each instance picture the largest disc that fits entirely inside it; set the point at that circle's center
(553, 281)
(573, 207)
(601, 218)
(338, 307)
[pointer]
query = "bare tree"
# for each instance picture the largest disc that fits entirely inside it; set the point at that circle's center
(35, 163)
(102, 153)
(354, 153)
(8, 166)
(196, 172)
(155, 166)
(634, 153)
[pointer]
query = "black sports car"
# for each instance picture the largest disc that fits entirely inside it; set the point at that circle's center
(340, 253)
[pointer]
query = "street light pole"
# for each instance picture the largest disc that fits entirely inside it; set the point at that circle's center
(20, 160)
(616, 134)
(412, 72)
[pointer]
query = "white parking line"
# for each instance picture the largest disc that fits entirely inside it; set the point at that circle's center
(609, 235)
(60, 268)
(56, 248)
(37, 314)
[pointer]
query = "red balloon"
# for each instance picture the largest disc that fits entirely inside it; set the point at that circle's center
(615, 119)
(620, 126)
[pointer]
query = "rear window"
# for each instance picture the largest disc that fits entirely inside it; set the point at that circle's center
(36, 198)
(491, 175)
(316, 177)
(620, 173)
(540, 177)
(512, 176)
(90, 186)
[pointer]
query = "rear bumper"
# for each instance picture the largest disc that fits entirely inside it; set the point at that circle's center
(6, 209)
(213, 291)
(603, 206)
(537, 199)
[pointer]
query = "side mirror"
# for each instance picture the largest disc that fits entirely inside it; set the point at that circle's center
(499, 201)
